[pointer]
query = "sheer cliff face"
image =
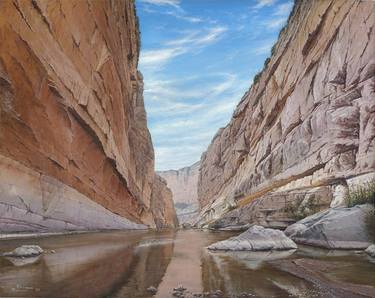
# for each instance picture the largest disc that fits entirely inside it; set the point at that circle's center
(307, 125)
(162, 204)
(183, 183)
(75, 151)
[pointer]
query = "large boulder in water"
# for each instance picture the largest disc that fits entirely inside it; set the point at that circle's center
(338, 228)
(371, 250)
(25, 251)
(256, 238)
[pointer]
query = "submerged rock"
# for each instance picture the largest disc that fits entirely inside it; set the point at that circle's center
(339, 228)
(256, 238)
(25, 251)
(317, 273)
(371, 250)
(18, 262)
(152, 290)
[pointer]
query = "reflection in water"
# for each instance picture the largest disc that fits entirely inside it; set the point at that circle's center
(125, 264)
(90, 265)
(239, 272)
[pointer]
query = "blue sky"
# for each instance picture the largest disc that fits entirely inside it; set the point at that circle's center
(198, 57)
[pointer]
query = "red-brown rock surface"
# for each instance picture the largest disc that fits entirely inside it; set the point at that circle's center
(75, 151)
(162, 204)
(308, 122)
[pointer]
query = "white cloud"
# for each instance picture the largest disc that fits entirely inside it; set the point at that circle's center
(192, 41)
(183, 130)
(196, 38)
(276, 23)
(160, 56)
(174, 3)
(212, 35)
(263, 3)
(187, 156)
(264, 49)
(182, 16)
(283, 9)
(176, 12)
(180, 140)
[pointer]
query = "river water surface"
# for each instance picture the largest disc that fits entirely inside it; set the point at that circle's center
(125, 264)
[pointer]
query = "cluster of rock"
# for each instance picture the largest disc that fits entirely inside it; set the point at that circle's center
(303, 135)
(75, 150)
(182, 292)
(336, 228)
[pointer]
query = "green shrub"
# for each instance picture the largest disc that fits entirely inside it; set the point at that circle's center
(266, 62)
(362, 194)
(257, 77)
(370, 224)
(297, 211)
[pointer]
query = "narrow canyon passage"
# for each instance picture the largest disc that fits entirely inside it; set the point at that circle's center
(187, 148)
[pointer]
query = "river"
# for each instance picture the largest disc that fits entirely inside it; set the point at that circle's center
(127, 263)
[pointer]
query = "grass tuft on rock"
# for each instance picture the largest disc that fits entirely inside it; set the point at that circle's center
(362, 194)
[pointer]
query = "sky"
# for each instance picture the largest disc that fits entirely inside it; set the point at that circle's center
(198, 58)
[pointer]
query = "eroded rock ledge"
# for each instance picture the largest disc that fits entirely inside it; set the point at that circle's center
(306, 128)
(74, 145)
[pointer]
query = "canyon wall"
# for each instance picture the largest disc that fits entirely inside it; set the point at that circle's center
(162, 204)
(304, 133)
(183, 184)
(75, 150)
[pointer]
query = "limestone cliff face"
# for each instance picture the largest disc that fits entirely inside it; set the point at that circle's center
(183, 184)
(75, 151)
(306, 128)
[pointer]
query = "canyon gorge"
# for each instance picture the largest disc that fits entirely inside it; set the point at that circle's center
(280, 204)
(75, 150)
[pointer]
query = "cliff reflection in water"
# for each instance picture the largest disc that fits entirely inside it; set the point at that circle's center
(125, 264)
(237, 272)
(91, 265)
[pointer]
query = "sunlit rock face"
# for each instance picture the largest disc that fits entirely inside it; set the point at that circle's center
(75, 151)
(307, 125)
(183, 184)
(162, 204)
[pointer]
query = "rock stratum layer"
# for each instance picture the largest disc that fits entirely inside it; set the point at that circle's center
(306, 128)
(75, 151)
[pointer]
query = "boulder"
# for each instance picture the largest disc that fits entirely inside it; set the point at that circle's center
(256, 238)
(338, 228)
(25, 251)
(371, 250)
(152, 290)
(19, 262)
(186, 226)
